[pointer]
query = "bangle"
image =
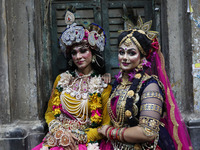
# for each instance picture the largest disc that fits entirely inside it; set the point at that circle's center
(122, 134)
(116, 135)
(107, 130)
(110, 135)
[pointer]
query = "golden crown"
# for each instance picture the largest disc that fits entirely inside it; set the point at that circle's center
(143, 28)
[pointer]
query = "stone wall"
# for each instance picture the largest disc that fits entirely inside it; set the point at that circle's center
(25, 74)
(195, 19)
(194, 123)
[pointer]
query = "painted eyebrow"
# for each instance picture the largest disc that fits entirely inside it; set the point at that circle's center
(128, 49)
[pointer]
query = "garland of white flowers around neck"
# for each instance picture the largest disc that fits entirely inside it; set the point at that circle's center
(92, 87)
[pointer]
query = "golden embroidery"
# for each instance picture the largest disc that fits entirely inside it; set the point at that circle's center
(151, 107)
(118, 120)
(172, 115)
(150, 125)
(152, 94)
(159, 83)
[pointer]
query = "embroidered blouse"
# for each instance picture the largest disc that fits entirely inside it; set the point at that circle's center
(147, 107)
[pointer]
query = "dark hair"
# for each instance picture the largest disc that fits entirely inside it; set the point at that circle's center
(98, 66)
(141, 38)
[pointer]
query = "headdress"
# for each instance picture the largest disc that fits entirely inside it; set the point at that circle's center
(142, 28)
(74, 33)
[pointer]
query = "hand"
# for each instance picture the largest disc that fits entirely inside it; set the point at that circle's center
(103, 129)
(73, 142)
(107, 78)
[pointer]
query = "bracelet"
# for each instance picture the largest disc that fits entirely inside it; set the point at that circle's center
(107, 130)
(122, 134)
(81, 135)
(110, 134)
(117, 134)
(114, 133)
(106, 134)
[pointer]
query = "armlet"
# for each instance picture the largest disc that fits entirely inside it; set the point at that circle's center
(149, 125)
(152, 94)
(151, 107)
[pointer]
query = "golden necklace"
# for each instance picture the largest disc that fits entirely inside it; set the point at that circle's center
(118, 120)
(124, 86)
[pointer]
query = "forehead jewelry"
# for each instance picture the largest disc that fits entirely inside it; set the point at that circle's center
(128, 42)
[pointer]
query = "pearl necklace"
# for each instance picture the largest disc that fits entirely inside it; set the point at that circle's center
(78, 85)
(79, 89)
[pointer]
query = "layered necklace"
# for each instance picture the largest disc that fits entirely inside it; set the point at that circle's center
(128, 97)
(75, 95)
(120, 90)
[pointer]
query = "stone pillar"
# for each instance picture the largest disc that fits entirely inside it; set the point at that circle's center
(24, 82)
(5, 115)
(179, 53)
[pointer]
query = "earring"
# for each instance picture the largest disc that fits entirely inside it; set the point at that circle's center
(139, 67)
(93, 59)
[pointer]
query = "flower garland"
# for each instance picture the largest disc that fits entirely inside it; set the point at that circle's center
(96, 109)
(57, 103)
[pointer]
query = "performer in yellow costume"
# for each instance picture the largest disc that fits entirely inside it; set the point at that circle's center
(78, 103)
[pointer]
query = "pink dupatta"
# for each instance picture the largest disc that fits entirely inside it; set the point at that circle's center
(173, 120)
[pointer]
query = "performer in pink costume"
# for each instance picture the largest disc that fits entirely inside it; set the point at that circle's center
(142, 108)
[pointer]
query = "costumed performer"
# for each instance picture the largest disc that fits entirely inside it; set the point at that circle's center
(142, 108)
(78, 103)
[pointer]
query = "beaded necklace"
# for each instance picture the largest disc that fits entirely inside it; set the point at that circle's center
(75, 88)
(75, 95)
